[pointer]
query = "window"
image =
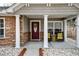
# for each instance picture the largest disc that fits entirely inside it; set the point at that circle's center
(2, 28)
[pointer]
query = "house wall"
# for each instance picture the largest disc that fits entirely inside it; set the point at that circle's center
(24, 29)
(9, 31)
(71, 29)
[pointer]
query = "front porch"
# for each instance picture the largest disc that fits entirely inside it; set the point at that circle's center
(32, 43)
(36, 45)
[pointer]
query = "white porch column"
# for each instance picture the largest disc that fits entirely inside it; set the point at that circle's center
(77, 31)
(17, 31)
(45, 31)
(65, 30)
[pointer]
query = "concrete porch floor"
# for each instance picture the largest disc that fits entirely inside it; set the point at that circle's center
(60, 45)
(34, 45)
(68, 44)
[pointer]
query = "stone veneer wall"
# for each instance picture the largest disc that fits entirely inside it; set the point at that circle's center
(41, 36)
(24, 35)
(9, 31)
(71, 32)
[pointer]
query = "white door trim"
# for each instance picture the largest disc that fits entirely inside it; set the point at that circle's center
(31, 28)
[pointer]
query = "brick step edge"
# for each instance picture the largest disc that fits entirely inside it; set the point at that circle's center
(41, 51)
(22, 52)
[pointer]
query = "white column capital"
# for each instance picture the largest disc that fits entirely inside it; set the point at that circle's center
(45, 15)
(17, 15)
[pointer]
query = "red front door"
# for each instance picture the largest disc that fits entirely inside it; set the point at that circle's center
(35, 30)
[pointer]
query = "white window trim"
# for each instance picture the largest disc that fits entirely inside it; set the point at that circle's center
(3, 28)
(55, 22)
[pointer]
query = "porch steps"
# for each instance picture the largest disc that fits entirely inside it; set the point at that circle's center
(22, 52)
(32, 52)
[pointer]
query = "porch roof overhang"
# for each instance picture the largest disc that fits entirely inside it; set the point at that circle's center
(18, 9)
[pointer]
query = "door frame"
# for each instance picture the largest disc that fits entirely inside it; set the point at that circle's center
(31, 29)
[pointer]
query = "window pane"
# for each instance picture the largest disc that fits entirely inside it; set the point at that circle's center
(1, 20)
(1, 25)
(50, 25)
(58, 25)
(1, 32)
